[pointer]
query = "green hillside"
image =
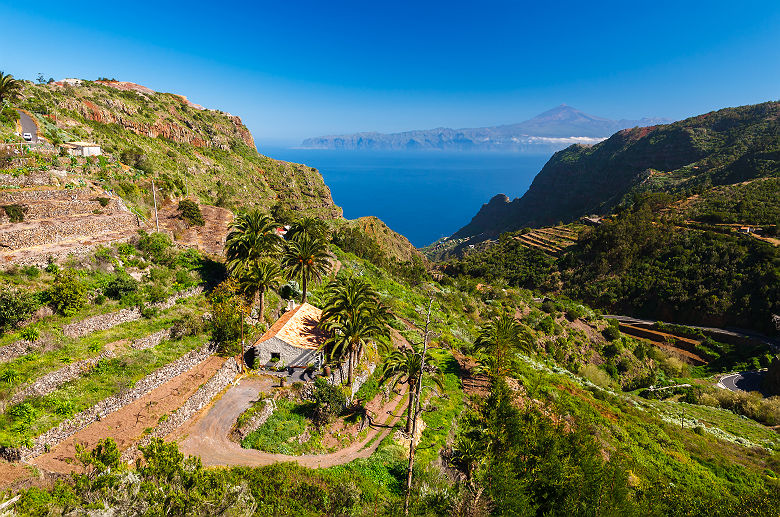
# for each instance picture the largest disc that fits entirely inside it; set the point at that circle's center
(724, 147)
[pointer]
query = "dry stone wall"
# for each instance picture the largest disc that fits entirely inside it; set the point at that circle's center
(258, 419)
(107, 406)
(15, 349)
(201, 398)
(35, 179)
(49, 232)
(52, 209)
(152, 340)
(23, 196)
(51, 381)
(112, 319)
(340, 376)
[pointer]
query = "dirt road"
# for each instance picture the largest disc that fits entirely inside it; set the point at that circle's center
(207, 434)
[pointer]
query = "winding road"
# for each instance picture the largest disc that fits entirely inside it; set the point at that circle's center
(742, 381)
(207, 434)
(28, 125)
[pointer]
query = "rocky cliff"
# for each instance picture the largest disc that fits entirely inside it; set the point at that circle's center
(724, 147)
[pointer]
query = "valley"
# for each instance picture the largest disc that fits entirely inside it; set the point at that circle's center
(146, 366)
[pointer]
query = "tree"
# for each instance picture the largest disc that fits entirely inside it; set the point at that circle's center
(352, 316)
(15, 305)
(68, 294)
(308, 227)
(10, 88)
(257, 278)
(226, 316)
(500, 337)
(251, 237)
(406, 367)
(306, 258)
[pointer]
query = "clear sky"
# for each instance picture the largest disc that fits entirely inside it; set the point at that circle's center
(293, 69)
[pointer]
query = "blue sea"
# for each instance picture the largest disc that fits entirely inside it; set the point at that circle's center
(422, 195)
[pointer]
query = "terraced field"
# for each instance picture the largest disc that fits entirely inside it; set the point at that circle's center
(552, 240)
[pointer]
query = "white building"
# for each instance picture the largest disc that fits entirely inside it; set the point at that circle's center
(82, 149)
(294, 340)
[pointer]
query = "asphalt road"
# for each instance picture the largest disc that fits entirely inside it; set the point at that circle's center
(28, 125)
(743, 381)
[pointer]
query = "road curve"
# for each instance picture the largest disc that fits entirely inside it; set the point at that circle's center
(28, 125)
(207, 435)
(742, 381)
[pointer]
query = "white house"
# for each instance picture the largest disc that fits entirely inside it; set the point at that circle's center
(82, 149)
(294, 340)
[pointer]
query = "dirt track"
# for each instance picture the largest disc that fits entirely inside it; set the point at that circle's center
(207, 434)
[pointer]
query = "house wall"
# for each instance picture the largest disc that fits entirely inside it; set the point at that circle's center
(288, 354)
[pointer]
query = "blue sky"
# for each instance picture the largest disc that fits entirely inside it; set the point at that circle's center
(298, 69)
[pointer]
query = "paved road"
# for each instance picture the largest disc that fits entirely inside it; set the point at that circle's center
(207, 435)
(741, 333)
(743, 381)
(28, 125)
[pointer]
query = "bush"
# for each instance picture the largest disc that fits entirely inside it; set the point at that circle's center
(190, 212)
(15, 305)
(328, 399)
(155, 246)
(15, 212)
(610, 333)
(30, 333)
(121, 285)
(103, 201)
(68, 295)
(188, 325)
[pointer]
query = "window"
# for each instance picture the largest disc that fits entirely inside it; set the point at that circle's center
(275, 357)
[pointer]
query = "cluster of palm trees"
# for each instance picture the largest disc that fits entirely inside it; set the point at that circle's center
(258, 258)
(352, 317)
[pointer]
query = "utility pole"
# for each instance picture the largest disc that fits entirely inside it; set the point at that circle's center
(154, 195)
(418, 390)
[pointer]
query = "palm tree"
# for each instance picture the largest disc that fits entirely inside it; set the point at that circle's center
(306, 258)
(498, 338)
(257, 278)
(352, 316)
(10, 88)
(251, 237)
(308, 227)
(405, 367)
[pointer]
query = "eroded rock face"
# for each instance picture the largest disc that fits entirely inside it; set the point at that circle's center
(171, 127)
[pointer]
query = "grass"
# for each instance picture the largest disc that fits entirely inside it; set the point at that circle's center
(109, 377)
(280, 432)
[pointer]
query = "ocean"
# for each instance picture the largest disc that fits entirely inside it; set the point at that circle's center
(422, 195)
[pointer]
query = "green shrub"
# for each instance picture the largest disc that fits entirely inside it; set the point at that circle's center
(31, 271)
(190, 212)
(15, 305)
(156, 246)
(15, 212)
(329, 401)
(103, 200)
(68, 293)
(121, 285)
(610, 333)
(30, 333)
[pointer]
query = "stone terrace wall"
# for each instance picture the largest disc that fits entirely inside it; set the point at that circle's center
(35, 179)
(201, 398)
(52, 380)
(112, 319)
(340, 376)
(51, 209)
(107, 406)
(258, 419)
(22, 196)
(15, 349)
(152, 340)
(48, 232)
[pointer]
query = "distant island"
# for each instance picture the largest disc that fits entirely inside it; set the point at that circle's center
(550, 131)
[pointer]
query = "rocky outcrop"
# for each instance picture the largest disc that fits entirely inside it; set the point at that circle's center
(125, 115)
(112, 319)
(200, 399)
(107, 406)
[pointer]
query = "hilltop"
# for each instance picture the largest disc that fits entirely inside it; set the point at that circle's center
(724, 147)
(549, 131)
